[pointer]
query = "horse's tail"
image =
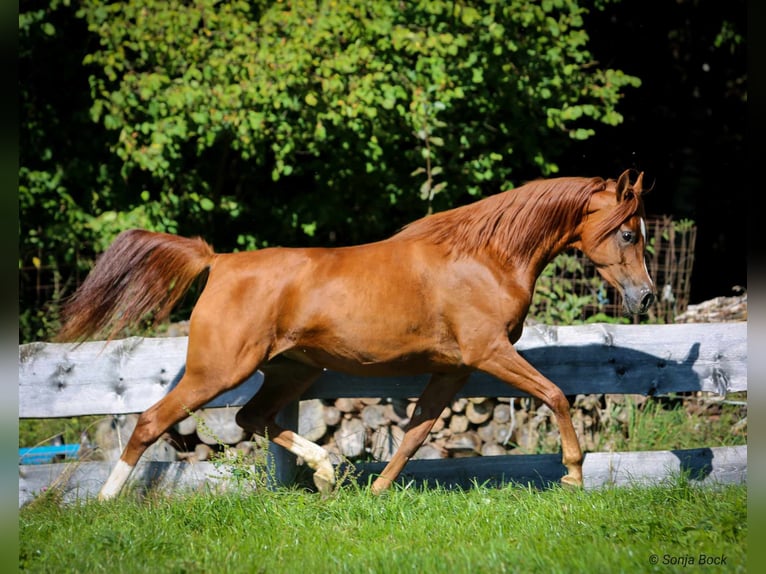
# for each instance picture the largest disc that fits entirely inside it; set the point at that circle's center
(141, 272)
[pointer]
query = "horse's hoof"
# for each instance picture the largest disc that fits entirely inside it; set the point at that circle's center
(570, 481)
(324, 479)
(381, 485)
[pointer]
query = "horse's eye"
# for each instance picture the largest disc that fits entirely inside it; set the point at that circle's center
(627, 236)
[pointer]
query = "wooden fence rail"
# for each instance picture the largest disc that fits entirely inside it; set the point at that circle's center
(129, 375)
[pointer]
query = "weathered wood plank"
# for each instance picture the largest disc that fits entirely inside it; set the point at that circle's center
(83, 480)
(705, 466)
(599, 358)
(120, 377)
(724, 465)
(129, 375)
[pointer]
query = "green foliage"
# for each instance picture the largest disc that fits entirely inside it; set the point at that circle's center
(38, 432)
(281, 86)
(262, 123)
(565, 295)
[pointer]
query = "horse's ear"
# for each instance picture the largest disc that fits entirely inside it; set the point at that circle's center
(638, 186)
(623, 183)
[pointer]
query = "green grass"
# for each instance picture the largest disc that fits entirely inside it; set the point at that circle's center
(669, 423)
(511, 529)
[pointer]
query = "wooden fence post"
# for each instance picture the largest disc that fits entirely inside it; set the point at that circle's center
(282, 464)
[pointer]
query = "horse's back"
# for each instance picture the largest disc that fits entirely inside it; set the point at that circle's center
(371, 303)
(323, 264)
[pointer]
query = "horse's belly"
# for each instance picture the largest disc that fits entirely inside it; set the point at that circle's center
(392, 361)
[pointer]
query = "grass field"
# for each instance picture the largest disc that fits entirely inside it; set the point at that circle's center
(512, 529)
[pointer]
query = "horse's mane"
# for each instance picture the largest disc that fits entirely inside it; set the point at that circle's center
(515, 223)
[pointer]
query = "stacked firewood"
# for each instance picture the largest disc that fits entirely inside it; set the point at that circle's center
(372, 429)
(475, 426)
(719, 309)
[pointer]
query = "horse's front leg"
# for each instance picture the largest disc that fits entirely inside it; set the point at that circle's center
(435, 397)
(505, 363)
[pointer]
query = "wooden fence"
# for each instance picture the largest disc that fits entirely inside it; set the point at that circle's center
(129, 375)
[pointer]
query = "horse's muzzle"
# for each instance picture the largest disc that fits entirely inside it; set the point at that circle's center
(640, 304)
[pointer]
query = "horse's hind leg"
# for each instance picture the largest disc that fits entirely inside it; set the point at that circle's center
(189, 395)
(208, 374)
(435, 397)
(284, 382)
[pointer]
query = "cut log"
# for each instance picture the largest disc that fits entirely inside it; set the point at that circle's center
(396, 410)
(218, 426)
(333, 450)
(458, 405)
(478, 400)
(429, 451)
(501, 432)
(332, 415)
(486, 432)
(464, 443)
(111, 435)
(479, 412)
(412, 407)
(501, 413)
(458, 423)
(350, 437)
(720, 309)
(492, 449)
(385, 440)
(187, 426)
(346, 405)
(203, 452)
(526, 437)
(311, 422)
(374, 416)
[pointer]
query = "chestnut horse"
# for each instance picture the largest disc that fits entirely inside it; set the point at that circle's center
(447, 295)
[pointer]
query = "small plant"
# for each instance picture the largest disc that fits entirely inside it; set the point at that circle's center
(247, 471)
(258, 470)
(424, 116)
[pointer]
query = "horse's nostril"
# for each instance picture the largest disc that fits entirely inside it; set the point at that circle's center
(647, 300)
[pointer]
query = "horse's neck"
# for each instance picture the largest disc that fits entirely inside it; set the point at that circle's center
(535, 261)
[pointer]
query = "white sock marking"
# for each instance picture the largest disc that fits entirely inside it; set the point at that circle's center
(115, 482)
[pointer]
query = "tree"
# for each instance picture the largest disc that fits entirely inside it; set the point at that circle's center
(261, 123)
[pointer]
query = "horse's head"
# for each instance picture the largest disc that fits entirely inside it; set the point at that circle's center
(613, 237)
